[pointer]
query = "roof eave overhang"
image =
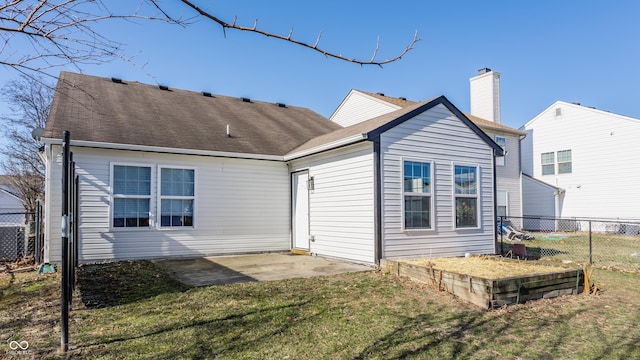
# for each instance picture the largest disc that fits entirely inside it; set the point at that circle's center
(325, 147)
(161, 149)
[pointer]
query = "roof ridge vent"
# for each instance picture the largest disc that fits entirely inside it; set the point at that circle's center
(163, 87)
(281, 104)
(381, 94)
(207, 94)
(403, 98)
(116, 80)
(245, 99)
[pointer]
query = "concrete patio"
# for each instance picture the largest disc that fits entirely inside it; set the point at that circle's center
(221, 270)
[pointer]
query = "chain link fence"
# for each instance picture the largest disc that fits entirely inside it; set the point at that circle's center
(601, 242)
(20, 238)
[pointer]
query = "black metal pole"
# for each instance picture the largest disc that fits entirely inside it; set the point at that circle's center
(36, 242)
(501, 238)
(64, 303)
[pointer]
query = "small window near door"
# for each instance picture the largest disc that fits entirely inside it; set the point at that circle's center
(502, 141)
(417, 191)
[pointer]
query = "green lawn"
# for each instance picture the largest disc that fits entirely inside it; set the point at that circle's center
(607, 249)
(135, 310)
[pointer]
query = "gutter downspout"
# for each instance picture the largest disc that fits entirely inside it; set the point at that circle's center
(377, 200)
(495, 204)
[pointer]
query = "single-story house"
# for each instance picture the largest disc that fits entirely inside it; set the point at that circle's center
(166, 172)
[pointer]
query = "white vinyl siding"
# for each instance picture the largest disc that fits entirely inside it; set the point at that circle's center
(441, 137)
(233, 214)
(604, 148)
(341, 205)
(358, 107)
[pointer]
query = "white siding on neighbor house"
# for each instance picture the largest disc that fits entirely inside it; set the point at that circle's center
(240, 206)
(539, 198)
(438, 136)
(508, 176)
(341, 207)
(10, 203)
(358, 107)
(605, 162)
(541, 202)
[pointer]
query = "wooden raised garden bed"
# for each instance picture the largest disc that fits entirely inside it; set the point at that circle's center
(490, 283)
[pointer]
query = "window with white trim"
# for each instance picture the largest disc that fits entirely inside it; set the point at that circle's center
(466, 196)
(417, 190)
(131, 196)
(564, 162)
(502, 141)
(501, 203)
(177, 194)
(548, 163)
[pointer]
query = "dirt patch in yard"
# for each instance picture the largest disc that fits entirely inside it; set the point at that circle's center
(488, 267)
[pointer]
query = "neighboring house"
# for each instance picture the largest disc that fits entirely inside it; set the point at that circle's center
(359, 106)
(588, 157)
(165, 172)
(11, 206)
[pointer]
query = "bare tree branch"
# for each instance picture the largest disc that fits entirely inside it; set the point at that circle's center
(235, 26)
(63, 33)
(29, 100)
(36, 35)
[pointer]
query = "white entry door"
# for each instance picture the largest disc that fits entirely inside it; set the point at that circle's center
(300, 208)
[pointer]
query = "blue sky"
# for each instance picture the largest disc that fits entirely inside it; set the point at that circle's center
(577, 51)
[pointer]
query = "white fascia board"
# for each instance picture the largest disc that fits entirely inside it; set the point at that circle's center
(160, 149)
(328, 146)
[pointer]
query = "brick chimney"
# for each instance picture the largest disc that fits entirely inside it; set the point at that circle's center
(485, 95)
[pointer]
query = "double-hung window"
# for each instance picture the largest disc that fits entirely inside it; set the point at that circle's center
(564, 162)
(502, 141)
(177, 189)
(131, 196)
(548, 163)
(417, 190)
(466, 196)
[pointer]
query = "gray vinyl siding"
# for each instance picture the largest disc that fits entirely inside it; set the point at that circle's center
(438, 136)
(508, 176)
(341, 208)
(240, 206)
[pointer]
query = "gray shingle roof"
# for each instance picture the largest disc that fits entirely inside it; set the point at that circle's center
(100, 110)
(482, 123)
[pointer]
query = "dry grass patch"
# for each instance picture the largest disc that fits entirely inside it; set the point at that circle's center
(488, 267)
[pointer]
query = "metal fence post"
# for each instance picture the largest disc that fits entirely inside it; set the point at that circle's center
(37, 246)
(590, 245)
(64, 303)
(501, 238)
